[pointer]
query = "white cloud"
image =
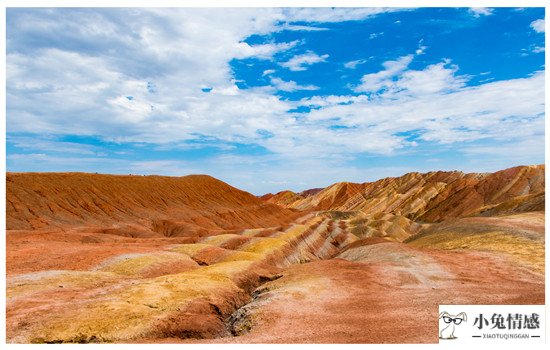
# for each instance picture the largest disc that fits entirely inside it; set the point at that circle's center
(51, 145)
(300, 62)
(335, 14)
(265, 51)
(375, 35)
(96, 101)
(107, 93)
(295, 27)
(48, 86)
(397, 79)
(538, 25)
(481, 11)
(354, 64)
(444, 111)
(331, 100)
(268, 72)
(420, 50)
(434, 79)
(538, 49)
(382, 79)
(291, 86)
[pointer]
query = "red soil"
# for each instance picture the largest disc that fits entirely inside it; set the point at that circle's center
(339, 301)
(150, 205)
(29, 251)
(73, 221)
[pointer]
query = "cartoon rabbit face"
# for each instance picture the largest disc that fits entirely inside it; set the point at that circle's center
(450, 321)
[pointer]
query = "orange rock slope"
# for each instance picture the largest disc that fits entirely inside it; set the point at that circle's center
(429, 197)
(134, 205)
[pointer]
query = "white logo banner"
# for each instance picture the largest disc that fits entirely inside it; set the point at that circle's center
(491, 323)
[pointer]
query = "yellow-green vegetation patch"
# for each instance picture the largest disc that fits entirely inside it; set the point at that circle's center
(523, 250)
(135, 264)
(46, 280)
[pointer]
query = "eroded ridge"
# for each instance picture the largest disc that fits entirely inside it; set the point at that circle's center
(361, 294)
(181, 291)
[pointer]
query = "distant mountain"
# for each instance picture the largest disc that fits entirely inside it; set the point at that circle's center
(134, 205)
(430, 197)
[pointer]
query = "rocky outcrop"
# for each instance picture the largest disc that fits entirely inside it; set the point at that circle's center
(430, 197)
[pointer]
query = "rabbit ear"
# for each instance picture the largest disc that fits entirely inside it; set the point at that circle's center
(462, 315)
(444, 313)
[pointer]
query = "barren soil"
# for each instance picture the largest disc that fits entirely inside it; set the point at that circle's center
(212, 264)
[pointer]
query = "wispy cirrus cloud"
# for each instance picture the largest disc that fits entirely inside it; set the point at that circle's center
(354, 64)
(301, 62)
(434, 104)
(291, 85)
(336, 14)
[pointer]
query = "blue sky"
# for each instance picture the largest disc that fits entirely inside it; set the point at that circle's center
(268, 99)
